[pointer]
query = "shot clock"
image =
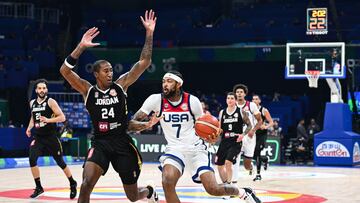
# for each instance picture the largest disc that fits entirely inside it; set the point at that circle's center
(317, 21)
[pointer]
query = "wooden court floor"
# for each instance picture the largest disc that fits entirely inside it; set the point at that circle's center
(280, 184)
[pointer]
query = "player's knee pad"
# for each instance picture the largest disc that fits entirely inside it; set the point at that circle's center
(60, 162)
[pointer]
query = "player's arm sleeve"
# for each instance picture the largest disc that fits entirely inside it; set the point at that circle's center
(152, 103)
(195, 106)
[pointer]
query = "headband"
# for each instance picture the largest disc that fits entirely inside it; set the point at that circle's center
(174, 77)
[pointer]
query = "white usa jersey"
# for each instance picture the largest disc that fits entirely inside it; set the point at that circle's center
(251, 110)
(179, 118)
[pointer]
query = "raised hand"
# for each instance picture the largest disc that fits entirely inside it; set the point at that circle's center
(149, 20)
(90, 34)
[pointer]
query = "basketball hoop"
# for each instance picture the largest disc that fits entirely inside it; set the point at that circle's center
(312, 76)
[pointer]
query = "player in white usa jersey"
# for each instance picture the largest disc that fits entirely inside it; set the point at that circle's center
(177, 112)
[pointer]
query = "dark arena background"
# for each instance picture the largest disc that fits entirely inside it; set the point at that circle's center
(278, 48)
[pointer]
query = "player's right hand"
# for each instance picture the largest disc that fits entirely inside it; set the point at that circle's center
(240, 137)
(90, 34)
(154, 119)
(28, 132)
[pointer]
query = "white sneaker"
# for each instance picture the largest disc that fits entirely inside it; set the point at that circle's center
(250, 196)
(154, 197)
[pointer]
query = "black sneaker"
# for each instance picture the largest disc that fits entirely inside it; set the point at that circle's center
(257, 177)
(37, 192)
(250, 196)
(73, 190)
(266, 163)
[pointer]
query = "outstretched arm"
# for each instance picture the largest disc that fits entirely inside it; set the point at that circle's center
(139, 67)
(66, 71)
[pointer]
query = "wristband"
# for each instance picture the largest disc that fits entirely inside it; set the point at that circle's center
(70, 62)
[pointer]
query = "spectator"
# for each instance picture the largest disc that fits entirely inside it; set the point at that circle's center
(312, 128)
(300, 148)
(275, 130)
(66, 131)
(205, 108)
(11, 125)
(301, 133)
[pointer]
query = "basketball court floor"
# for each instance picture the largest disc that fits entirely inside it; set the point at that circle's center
(280, 184)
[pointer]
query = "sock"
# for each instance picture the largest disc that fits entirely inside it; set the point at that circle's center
(151, 191)
(258, 164)
(37, 182)
(71, 180)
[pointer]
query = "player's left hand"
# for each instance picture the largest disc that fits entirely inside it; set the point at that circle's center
(251, 133)
(43, 119)
(149, 20)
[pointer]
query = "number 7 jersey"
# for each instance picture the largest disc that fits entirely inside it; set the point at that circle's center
(108, 111)
(179, 118)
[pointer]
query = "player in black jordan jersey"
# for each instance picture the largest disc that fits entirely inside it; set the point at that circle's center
(232, 121)
(106, 104)
(261, 136)
(45, 114)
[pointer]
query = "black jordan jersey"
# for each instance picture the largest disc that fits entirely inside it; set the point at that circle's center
(231, 124)
(42, 109)
(108, 111)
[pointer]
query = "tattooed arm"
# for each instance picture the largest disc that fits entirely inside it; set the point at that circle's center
(137, 123)
(247, 123)
(139, 67)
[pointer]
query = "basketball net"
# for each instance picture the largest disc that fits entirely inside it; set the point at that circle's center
(313, 77)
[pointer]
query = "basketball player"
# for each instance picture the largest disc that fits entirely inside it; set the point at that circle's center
(231, 121)
(261, 136)
(249, 140)
(45, 113)
(106, 104)
(184, 150)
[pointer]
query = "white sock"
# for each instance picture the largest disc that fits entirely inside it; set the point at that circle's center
(236, 168)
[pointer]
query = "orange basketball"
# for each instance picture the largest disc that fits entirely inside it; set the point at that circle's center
(206, 125)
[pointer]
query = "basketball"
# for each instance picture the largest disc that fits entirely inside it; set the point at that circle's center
(206, 125)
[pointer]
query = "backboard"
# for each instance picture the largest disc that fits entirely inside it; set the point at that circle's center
(326, 57)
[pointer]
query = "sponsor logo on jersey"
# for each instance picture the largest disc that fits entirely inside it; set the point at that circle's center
(236, 115)
(166, 106)
(356, 152)
(331, 149)
(184, 107)
(114, 125)
(113, 92)
(103, 126)
(107, 101)
(176, 118)
(96, 94)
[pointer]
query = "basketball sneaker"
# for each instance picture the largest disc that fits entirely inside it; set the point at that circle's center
(154, 197)
(37, 192)
(73, 190)
(266, 163)
(257, 177)
(250, 196)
